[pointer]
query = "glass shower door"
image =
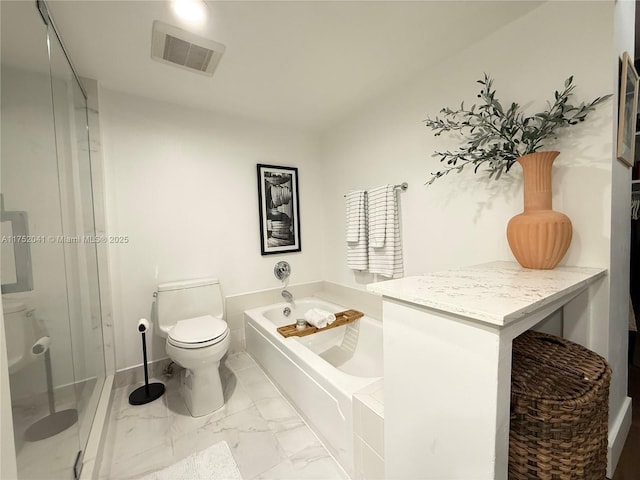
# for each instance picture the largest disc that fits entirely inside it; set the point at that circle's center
(52, 319)
(36, 313)
(80, 240)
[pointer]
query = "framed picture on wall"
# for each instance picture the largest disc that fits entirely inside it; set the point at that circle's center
(627, 111)
(279, 209)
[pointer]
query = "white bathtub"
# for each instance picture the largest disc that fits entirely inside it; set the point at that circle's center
(318, 373)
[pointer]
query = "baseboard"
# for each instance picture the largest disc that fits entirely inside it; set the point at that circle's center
(617, 436)
(135, 375)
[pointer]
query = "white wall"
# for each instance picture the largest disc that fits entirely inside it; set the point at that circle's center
(617, 333)
(461, 219)
(182, 185)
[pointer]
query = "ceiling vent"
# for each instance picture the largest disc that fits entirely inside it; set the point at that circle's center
(178, 47)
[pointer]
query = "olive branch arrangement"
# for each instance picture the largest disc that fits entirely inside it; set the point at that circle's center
(497, 136)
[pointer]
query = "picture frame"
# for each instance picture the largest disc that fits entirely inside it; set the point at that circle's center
(279, 209)
(627, 111)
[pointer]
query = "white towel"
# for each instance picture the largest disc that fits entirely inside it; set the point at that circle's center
(319, 318)
(377, 215)
(356, 230)
(385, 247)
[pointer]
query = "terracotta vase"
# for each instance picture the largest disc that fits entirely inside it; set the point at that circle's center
(539, 237)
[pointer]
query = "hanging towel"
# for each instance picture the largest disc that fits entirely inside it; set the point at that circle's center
(356, 224)
(377, 200)
(385, 247)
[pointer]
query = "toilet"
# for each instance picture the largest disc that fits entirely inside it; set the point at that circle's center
(20, 332)
(190, 315)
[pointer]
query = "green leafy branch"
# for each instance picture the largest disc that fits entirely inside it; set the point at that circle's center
(497, 137)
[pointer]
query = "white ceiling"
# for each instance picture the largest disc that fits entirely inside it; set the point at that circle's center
(300, 63)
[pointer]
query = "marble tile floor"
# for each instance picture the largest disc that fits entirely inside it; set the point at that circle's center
(51, 458)
(267, 437)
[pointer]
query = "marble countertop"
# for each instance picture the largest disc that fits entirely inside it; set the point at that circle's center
(495, 292)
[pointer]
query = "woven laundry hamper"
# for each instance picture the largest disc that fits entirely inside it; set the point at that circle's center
(559, 410)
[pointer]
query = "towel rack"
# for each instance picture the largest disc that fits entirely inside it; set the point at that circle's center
(402, 186)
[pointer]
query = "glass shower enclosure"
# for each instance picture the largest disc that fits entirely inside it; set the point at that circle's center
(49, 268)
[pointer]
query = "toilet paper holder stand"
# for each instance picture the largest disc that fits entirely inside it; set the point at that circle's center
(149, 391)
(57, 420)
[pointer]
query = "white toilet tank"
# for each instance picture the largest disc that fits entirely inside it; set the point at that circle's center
(19, 334)
(185, 299)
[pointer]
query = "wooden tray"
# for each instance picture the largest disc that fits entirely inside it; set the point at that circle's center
(342, 318)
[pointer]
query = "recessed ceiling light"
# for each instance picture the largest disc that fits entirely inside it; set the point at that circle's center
(191, 11)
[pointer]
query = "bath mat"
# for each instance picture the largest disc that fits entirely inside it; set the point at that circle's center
(214, 463)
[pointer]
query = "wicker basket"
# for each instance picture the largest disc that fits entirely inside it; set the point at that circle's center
(559, 410)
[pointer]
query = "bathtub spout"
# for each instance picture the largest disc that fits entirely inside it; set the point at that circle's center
(288, 296)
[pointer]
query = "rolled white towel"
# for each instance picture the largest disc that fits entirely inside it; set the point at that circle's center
(319, 318)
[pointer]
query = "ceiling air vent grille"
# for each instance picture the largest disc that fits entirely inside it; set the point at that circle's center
(178, 47)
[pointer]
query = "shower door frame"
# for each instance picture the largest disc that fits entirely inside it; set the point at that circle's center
(90, 445)
(103, 389)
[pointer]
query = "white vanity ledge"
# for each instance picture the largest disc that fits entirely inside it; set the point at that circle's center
(496, 292)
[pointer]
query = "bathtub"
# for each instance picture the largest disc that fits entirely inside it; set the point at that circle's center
(318, 373)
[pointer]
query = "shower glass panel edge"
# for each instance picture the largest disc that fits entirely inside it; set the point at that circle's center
(81, 262)
(46, 172)
(41, 381)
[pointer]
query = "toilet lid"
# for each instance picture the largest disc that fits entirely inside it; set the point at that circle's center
(198, 330)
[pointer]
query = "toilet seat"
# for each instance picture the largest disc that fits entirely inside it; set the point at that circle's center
(198, 332)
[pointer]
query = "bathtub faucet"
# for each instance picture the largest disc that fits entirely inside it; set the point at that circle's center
(288, 296)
